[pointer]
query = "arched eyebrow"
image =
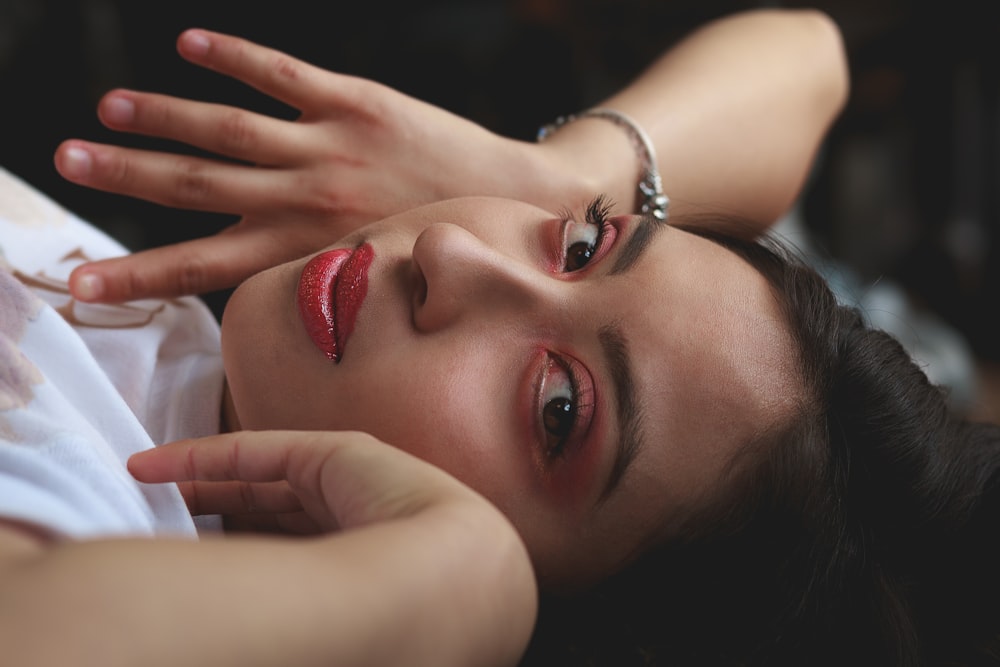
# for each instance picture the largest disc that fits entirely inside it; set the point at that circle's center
(619, 364)
(630, 420)
(636, 244)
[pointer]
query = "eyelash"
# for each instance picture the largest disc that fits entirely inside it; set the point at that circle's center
(555, 443)
(596, 216)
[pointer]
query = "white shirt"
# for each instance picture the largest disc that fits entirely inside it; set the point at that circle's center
(83, 386)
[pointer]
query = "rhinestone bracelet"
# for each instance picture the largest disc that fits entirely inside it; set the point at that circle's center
(654, 202)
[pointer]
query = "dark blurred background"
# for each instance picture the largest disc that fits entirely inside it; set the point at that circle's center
(905, 191)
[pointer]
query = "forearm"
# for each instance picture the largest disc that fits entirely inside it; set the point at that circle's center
(736, 111)
(448, 587)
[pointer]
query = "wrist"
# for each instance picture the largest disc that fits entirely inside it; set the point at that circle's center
(570, 169)
(599, 158)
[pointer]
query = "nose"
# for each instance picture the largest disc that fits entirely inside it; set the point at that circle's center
(457, 275)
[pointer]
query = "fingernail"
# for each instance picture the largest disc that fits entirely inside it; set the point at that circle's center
(88, 287)
(76, 162)
(119, 110)
(195, 43)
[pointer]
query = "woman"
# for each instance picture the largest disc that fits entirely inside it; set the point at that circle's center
(717, 443)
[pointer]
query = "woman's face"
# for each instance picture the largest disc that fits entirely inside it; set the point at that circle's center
(592, 384)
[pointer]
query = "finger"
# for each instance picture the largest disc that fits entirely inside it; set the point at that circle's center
(250, 456)
(221, 129)
(342, 479)
(177, 181)
(239, 497)
(272, 72)
(191, 267)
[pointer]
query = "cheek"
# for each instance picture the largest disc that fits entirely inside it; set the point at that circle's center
(455, 406)
(453, 402)
(451, 411)
(467, 430)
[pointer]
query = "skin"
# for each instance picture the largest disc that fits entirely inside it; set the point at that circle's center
(736, 112)
(467, 299)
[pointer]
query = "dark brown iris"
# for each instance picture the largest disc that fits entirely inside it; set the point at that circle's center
(578, 255)
(558, 417)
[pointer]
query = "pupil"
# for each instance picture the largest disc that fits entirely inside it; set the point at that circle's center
(558, 416)
(578, 255)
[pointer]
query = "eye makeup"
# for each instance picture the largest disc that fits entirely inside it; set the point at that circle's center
(581, 244)
(565, 428)
(565, 405)
(564, 388)
(563, 413)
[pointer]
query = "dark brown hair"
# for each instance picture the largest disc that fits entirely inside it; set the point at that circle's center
(864, 532)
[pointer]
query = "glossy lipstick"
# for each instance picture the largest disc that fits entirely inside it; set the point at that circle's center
(332, 289)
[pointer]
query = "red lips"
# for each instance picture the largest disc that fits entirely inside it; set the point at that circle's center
(332, 288)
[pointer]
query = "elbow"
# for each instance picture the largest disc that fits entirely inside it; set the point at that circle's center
(828, 60)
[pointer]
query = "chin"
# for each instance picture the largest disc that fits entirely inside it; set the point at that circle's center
(258, 353)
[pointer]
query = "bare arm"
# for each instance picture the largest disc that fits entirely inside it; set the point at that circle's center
(427, 573)
(736, 110)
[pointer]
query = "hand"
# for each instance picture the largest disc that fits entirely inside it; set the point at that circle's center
(358, 152)
(300, 481)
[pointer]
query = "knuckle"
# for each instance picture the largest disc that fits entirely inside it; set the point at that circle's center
(118, 171)
(236, 132)
(326, 204)
(234, 459)
(286, 69)
(133, 284)
(332, 198)
(192, 498)
(247, 496)
(190, 277)
(190, 465)
(190, 185)
(371, 102)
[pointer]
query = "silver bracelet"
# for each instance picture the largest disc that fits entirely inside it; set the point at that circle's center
(654, 202)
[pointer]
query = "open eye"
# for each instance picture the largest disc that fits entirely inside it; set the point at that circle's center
(582, 241)
(558, 407)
